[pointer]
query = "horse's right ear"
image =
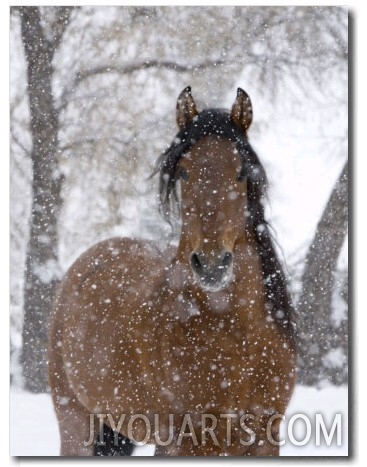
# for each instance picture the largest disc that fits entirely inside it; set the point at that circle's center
(186, 108)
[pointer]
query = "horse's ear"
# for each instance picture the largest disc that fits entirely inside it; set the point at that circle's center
(186, 108)
(241, 113)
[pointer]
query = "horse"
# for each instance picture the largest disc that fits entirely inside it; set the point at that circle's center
(191, 348)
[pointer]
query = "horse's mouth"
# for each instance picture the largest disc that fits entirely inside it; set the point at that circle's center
(213, 271)
(214, 281)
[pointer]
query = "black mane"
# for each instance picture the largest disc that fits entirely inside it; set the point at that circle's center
(218, 122)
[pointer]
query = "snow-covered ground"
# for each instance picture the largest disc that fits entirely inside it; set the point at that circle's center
(34, 431)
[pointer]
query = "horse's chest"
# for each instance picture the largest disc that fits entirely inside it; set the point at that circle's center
(204, 370)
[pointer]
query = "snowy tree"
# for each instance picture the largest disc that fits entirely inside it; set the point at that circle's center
(42, 270)
(320, 336)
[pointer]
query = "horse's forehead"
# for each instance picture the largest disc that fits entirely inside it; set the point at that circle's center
(213, 154)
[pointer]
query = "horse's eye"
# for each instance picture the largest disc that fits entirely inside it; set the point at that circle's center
(241, 175)
(183, 174)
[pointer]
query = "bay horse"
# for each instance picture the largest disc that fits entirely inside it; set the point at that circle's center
(192, 348)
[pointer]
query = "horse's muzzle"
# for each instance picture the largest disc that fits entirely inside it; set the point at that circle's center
(212, 271)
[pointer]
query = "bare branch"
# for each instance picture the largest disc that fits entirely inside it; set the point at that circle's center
(132, 68)
(114, 141)
(15, 138)
(77, 144)
(59, 25)
(263, 60)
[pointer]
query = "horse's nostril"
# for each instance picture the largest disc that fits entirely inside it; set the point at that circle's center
(227, 258)
(196, 264)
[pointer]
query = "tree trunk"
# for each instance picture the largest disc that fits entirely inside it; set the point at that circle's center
(317, 333)
(42, 270)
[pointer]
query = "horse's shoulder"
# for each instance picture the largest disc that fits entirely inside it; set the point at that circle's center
(121, 253)
(137, 249)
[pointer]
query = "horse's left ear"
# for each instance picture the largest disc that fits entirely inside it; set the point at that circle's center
(186, 108)
(241, 113)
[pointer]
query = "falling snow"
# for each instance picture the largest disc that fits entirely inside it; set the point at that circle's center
(116, 74)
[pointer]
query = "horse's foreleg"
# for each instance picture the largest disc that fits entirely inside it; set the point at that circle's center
(112, 444)
(166, 451)
(77, 438)
(77, 431)
(263, 448)
(266, 441)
